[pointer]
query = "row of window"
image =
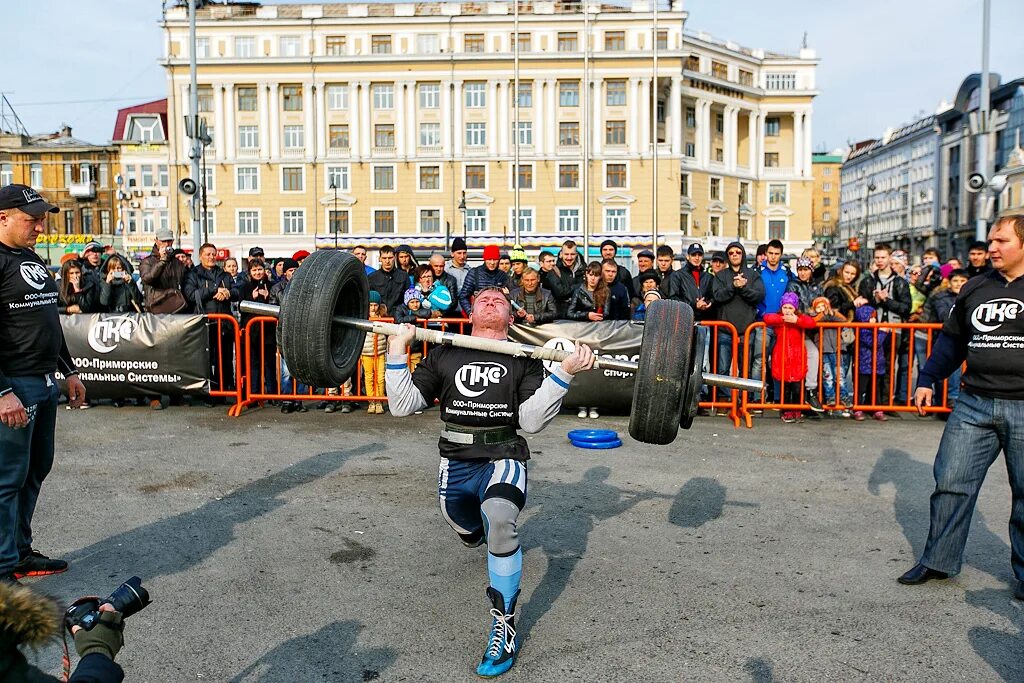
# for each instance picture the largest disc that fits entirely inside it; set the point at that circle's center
(245, 47)
(73, 173)
(778, 193)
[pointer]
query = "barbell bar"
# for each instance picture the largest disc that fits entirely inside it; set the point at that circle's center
(505, 348)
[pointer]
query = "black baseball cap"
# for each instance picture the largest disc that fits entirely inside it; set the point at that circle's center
(695, 248)
(256, 251)
(25, 198)
(718, 256)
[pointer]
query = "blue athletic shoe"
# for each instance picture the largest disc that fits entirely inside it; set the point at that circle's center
(502, 646)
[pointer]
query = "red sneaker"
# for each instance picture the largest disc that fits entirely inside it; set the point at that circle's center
(880, 416)
(37, 564)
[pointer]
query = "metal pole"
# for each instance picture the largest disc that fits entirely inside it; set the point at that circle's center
(504, 347)
(515, 116)
(654, 136)
(334, 225)
(982, 139)
(193, 111)
(584, 119)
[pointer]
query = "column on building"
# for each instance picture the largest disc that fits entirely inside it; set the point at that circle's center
(309, 134)
(366, 140)
(645, 116)
(753, 122)
(597, 120)
(355, 121)
(400, 141)
(228, 134)
(218, 120)
(540, 129)
(275, 118)
(493, 117)
(732, 116)
(320, 117)
(263, 104)
(411, 136)
(633, 107)
(702, 138)
(505, 117)
(447, 122)
(460, 133)
(552, 116)
(675, 119)
(798, 143)
(808, 143)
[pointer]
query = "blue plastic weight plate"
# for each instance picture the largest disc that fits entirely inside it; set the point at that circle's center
(598, 445)
(593, 435)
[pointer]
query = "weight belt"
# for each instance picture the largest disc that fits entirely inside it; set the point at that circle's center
(482, 436)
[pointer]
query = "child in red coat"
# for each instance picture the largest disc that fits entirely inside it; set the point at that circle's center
(789, 357)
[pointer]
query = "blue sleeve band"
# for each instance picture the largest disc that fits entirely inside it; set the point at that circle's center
(396, 366)
(559, 382)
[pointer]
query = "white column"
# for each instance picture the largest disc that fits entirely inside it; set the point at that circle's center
(493, 117)
(539, 121)
(505, 117)
(218, 121)
(411, 133)
(355, 121)
(597, 121)
(364, 117)
(752, 125)
(798, 142)
(228, 134)
(645, 116)
(675, 119)
(552, 114)
(320, 121)
(633, 124)
(809, 144)
(447, 123)
(263, 103)
(400, 142)
(275, 120)
(761, 116)
(460, 133)
(732, 136)
(706, 127)
(309, 133)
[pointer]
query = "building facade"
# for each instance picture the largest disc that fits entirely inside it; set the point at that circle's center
(825, 205)
(889, 190)
(356, 123)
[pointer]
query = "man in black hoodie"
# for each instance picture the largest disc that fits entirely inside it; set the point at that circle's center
(736, 290)
(551, 280)
(692, 284)
(389, 281)
(977, 259)
(609, 249)
(890, 295)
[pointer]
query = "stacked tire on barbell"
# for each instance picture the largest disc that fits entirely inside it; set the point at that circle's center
(664, 370)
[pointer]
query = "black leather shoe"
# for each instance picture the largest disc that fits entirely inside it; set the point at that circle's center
(1019, 593)
(921, 574)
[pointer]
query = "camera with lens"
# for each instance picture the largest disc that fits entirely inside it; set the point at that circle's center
(128, 598)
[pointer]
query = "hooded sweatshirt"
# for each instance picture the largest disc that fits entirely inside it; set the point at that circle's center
(737, 305)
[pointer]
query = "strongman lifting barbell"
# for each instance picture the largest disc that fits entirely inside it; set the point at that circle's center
(324, 319)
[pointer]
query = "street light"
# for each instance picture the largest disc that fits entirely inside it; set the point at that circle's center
(334, 215)
(867, 213)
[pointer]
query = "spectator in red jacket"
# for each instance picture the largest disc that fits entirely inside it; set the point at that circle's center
(789, 357)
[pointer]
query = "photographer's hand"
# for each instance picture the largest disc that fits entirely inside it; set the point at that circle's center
(105, 638)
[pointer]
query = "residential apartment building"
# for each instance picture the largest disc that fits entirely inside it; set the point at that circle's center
(890, 189)
(825, 200)
(143, 179)
(71, 173)
(377, 123)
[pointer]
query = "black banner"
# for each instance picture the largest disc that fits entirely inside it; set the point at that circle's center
(121, 355)
(609, 390)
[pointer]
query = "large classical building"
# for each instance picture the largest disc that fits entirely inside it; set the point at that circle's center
(375, 123)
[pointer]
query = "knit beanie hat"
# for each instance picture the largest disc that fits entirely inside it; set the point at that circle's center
(517, 255)
(374, 297)
(790, 298)
(821, 300)
(410, 294)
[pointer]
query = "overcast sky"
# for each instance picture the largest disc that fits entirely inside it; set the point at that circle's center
(883, 62)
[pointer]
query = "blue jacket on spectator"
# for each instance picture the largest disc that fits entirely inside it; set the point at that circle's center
(775, 283)
(480, 278)
(872, 344)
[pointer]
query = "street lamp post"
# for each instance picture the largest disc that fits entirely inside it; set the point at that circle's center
(334, 215)
(871, 187)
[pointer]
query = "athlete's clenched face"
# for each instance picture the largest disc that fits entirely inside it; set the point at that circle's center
(491, 310)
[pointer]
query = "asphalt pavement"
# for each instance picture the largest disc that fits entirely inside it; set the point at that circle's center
(309, 547)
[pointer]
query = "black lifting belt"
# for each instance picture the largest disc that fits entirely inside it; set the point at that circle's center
(480, 436)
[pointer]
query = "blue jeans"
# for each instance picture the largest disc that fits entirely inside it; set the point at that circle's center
(26, 456)
(978, 428)
(921, 354)
(830, 372)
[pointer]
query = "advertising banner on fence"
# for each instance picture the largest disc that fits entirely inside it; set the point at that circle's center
(121, 355)
(608, 390)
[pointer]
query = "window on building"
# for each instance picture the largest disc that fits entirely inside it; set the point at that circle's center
(826, 171)
(6, 174)
(69, 222)
(430, 135)
(202, 48)
(569, 220)
(715, 188)
(615, 175)
(383, 95)
(291, 97)
(476, 134)
(129, 171)
(103, 175)
(336, 46)
(383, 178)
(105, 221)
(337, 222)
(525, 219)
(826, 201)
(430, 95)
(337, 97)
(294, 137)
(147, 175)
(525, 99)
(780, 81)
(690, 150)
(615, 133)
(248, 222)
(826, 187)
(291, 179)
(691, 117)
(772, 126)
(208, 180)
(430, 177)
(614, 41)
(771, 159)
(568, 176)
(248, 137)
(777, 230)
(525, 133)
(524, 176)
(719, 123)
(384, 135)
(290, 46)
(744, 224)
(476, 220)
(615, 220)
(567, 41)
(476, 177)
(246, 98)
(476, 95)
(568, 133)
(525, 42)
(149, 222)
(337, 136)
(827, 216)
(684, 223)
(293, 222)
(245, 46)
(615, 93)
(430, 221)
(744, 193)
(35, 175)
(383, 221)
(205, 96)
(145, 129)
(719, 70)
(473, 42)
(693, 63)
(662, 42)
(427, 44)
(746, 78)
(715, 225)
(337, 178)
(248, 179)
(719, 154)
(777, 194)
(380, 45)
(568, 93)
(684, 184)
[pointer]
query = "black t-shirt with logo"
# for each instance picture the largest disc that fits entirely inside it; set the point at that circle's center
(987, 321)
(479, 389)
(31, 338)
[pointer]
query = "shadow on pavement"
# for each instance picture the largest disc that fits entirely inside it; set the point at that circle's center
(178, 543)
(699, 501)
(330, 654)
(567, 515)
(760, 670)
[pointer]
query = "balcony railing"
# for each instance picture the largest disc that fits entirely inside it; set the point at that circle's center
(248, 152)
(383, 150)
(86, 190)
(293, 152)
(338, 152)
(429, 150)
(778, 171)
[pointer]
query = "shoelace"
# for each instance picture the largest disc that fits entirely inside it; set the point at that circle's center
(502, 630)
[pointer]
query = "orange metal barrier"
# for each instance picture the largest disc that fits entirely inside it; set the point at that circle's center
(220, 356)
(882, 374)
(721, 399)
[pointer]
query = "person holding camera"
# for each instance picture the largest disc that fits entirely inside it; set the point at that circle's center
(162, 276)
(118, 293)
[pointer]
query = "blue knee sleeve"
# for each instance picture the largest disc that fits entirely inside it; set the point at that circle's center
(505, 573)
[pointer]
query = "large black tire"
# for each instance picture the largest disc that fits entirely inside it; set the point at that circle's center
(694, 383)
(663, 370)
(319, 352)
